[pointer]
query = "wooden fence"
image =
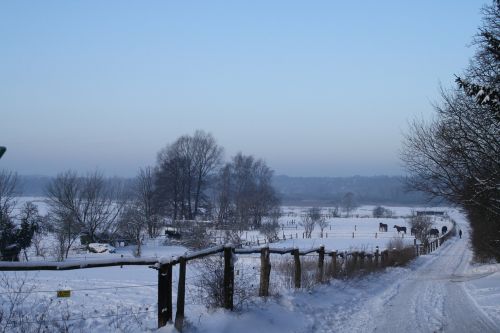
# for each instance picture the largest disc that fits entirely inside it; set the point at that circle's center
(358, 259)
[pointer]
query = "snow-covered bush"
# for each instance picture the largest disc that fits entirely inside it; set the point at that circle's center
(399, 254)
(210, 283)
(270, 230)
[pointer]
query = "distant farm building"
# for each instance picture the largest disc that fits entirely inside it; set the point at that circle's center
(430, 213)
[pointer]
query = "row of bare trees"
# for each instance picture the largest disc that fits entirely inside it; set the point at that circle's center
(456, 156)
(189, 182)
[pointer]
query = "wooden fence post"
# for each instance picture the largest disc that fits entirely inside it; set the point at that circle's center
(334, 263)
(228, 278)
(361, 260)
(298, 272)
(265, 271)
(377, 254)
(321, 263)
(164, 294)
(181, 295)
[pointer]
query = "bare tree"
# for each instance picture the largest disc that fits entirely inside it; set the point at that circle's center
(207, 157)
(421, 225)
(8, 189)
(270, 226)
(322, 223)
(146, 203)
(456, 156)
(184, 169)
(308, 223)
(334, 211)
(223, 196)
(132, 225)
(245, 193)
(88, 206)
(348, 203)
(379, 212)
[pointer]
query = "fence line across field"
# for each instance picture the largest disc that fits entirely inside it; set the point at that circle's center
(165, 272)
(81, 289)
(84, 318)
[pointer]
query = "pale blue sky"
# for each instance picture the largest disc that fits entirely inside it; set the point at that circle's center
(316, 88)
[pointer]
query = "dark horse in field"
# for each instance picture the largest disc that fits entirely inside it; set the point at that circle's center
(434, 232)
(399, 229)
(413, 231)
(444, 229)
(382, 227)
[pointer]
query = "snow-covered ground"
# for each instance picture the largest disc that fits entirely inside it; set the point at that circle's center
(419, 297)
(440, 292)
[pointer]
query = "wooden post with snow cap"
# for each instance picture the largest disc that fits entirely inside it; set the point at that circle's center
(181, 295)
(298, 272)
(265, 271)
(228, 277)
(164, 294)
(321, 263)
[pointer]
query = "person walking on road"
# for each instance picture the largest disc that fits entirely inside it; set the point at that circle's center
(460, 233)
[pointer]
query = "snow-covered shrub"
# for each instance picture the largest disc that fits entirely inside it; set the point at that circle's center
(195, 237)
(270, 230)
(210, 284)
(421, 226)
(399, 254)
(285, 271)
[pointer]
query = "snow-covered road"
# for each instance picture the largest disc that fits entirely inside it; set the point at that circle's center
(431, 299)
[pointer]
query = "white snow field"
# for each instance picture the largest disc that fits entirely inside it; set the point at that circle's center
(438, 292)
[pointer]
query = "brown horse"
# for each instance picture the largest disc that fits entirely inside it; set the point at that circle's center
(399, 229)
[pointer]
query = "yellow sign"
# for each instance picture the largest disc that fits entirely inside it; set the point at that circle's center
(64, 293)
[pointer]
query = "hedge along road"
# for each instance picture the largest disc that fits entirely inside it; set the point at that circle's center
(430, 299)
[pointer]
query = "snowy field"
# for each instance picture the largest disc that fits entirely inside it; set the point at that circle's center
(124, 299)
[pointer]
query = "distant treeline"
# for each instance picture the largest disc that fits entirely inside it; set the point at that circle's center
(377, 190)
(383, 190)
